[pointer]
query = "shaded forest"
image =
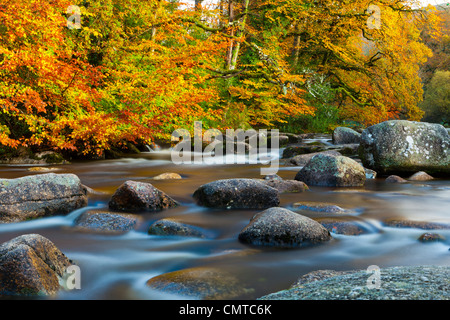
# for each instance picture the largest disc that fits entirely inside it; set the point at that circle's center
(435, 73)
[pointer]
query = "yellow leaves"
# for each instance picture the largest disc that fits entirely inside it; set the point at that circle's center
(241, 93)
(87, 32)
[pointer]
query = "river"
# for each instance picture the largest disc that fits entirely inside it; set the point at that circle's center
(118, 266)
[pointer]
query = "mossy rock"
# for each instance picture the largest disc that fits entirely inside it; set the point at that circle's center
(400, 146)
(41, 195)
(31, 265)
(237, 194)
(332, 171)
(106, 222)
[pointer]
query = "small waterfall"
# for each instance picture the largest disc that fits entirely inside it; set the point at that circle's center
(153, 147)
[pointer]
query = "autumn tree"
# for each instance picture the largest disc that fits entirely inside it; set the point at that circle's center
(326, 52)
(46, 91)
(152, 58)
(258, 87)
(129, 72)
(372, 70)
(440, 46)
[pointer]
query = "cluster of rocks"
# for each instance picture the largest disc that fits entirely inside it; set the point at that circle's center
(50, 194)
(25, 156)
(392, 148)
(31, 264)
(398, 150)
(205, 283)
(418, 176)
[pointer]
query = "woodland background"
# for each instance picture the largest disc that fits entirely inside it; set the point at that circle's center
(137, 70)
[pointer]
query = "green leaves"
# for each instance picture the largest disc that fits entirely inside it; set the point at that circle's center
(437, 98)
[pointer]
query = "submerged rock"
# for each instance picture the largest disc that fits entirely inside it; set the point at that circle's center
(203, 283)
(292, 151)
(167, 176)
(104, 221)
(43, 195)
(319, 207)
(332, 171)
(273, 177)
(405, 223)
(43, 169)
(303, 159)
(237, 194)
(89, 191)
(173, 227)
(431, 237)
(395, 179)
(401, 146)
(420, 176)
(344, 135)
(342, 226)
(282, 228)
(31, 265)
(140, 196)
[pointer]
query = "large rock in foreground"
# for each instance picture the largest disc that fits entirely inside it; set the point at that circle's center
(133, 196)
(396, 283)
(31, 265)
(36, 196)
(201, 283)
(237, 194)
(332, 171)
(401, 146)
(282, 228)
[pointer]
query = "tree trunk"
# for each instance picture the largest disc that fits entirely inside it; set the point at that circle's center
(230, 47)
(295, 46)
(240, 33)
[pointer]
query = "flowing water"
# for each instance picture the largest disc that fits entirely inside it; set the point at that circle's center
(118, 266)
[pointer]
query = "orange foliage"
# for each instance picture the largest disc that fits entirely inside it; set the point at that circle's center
(137, 70)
